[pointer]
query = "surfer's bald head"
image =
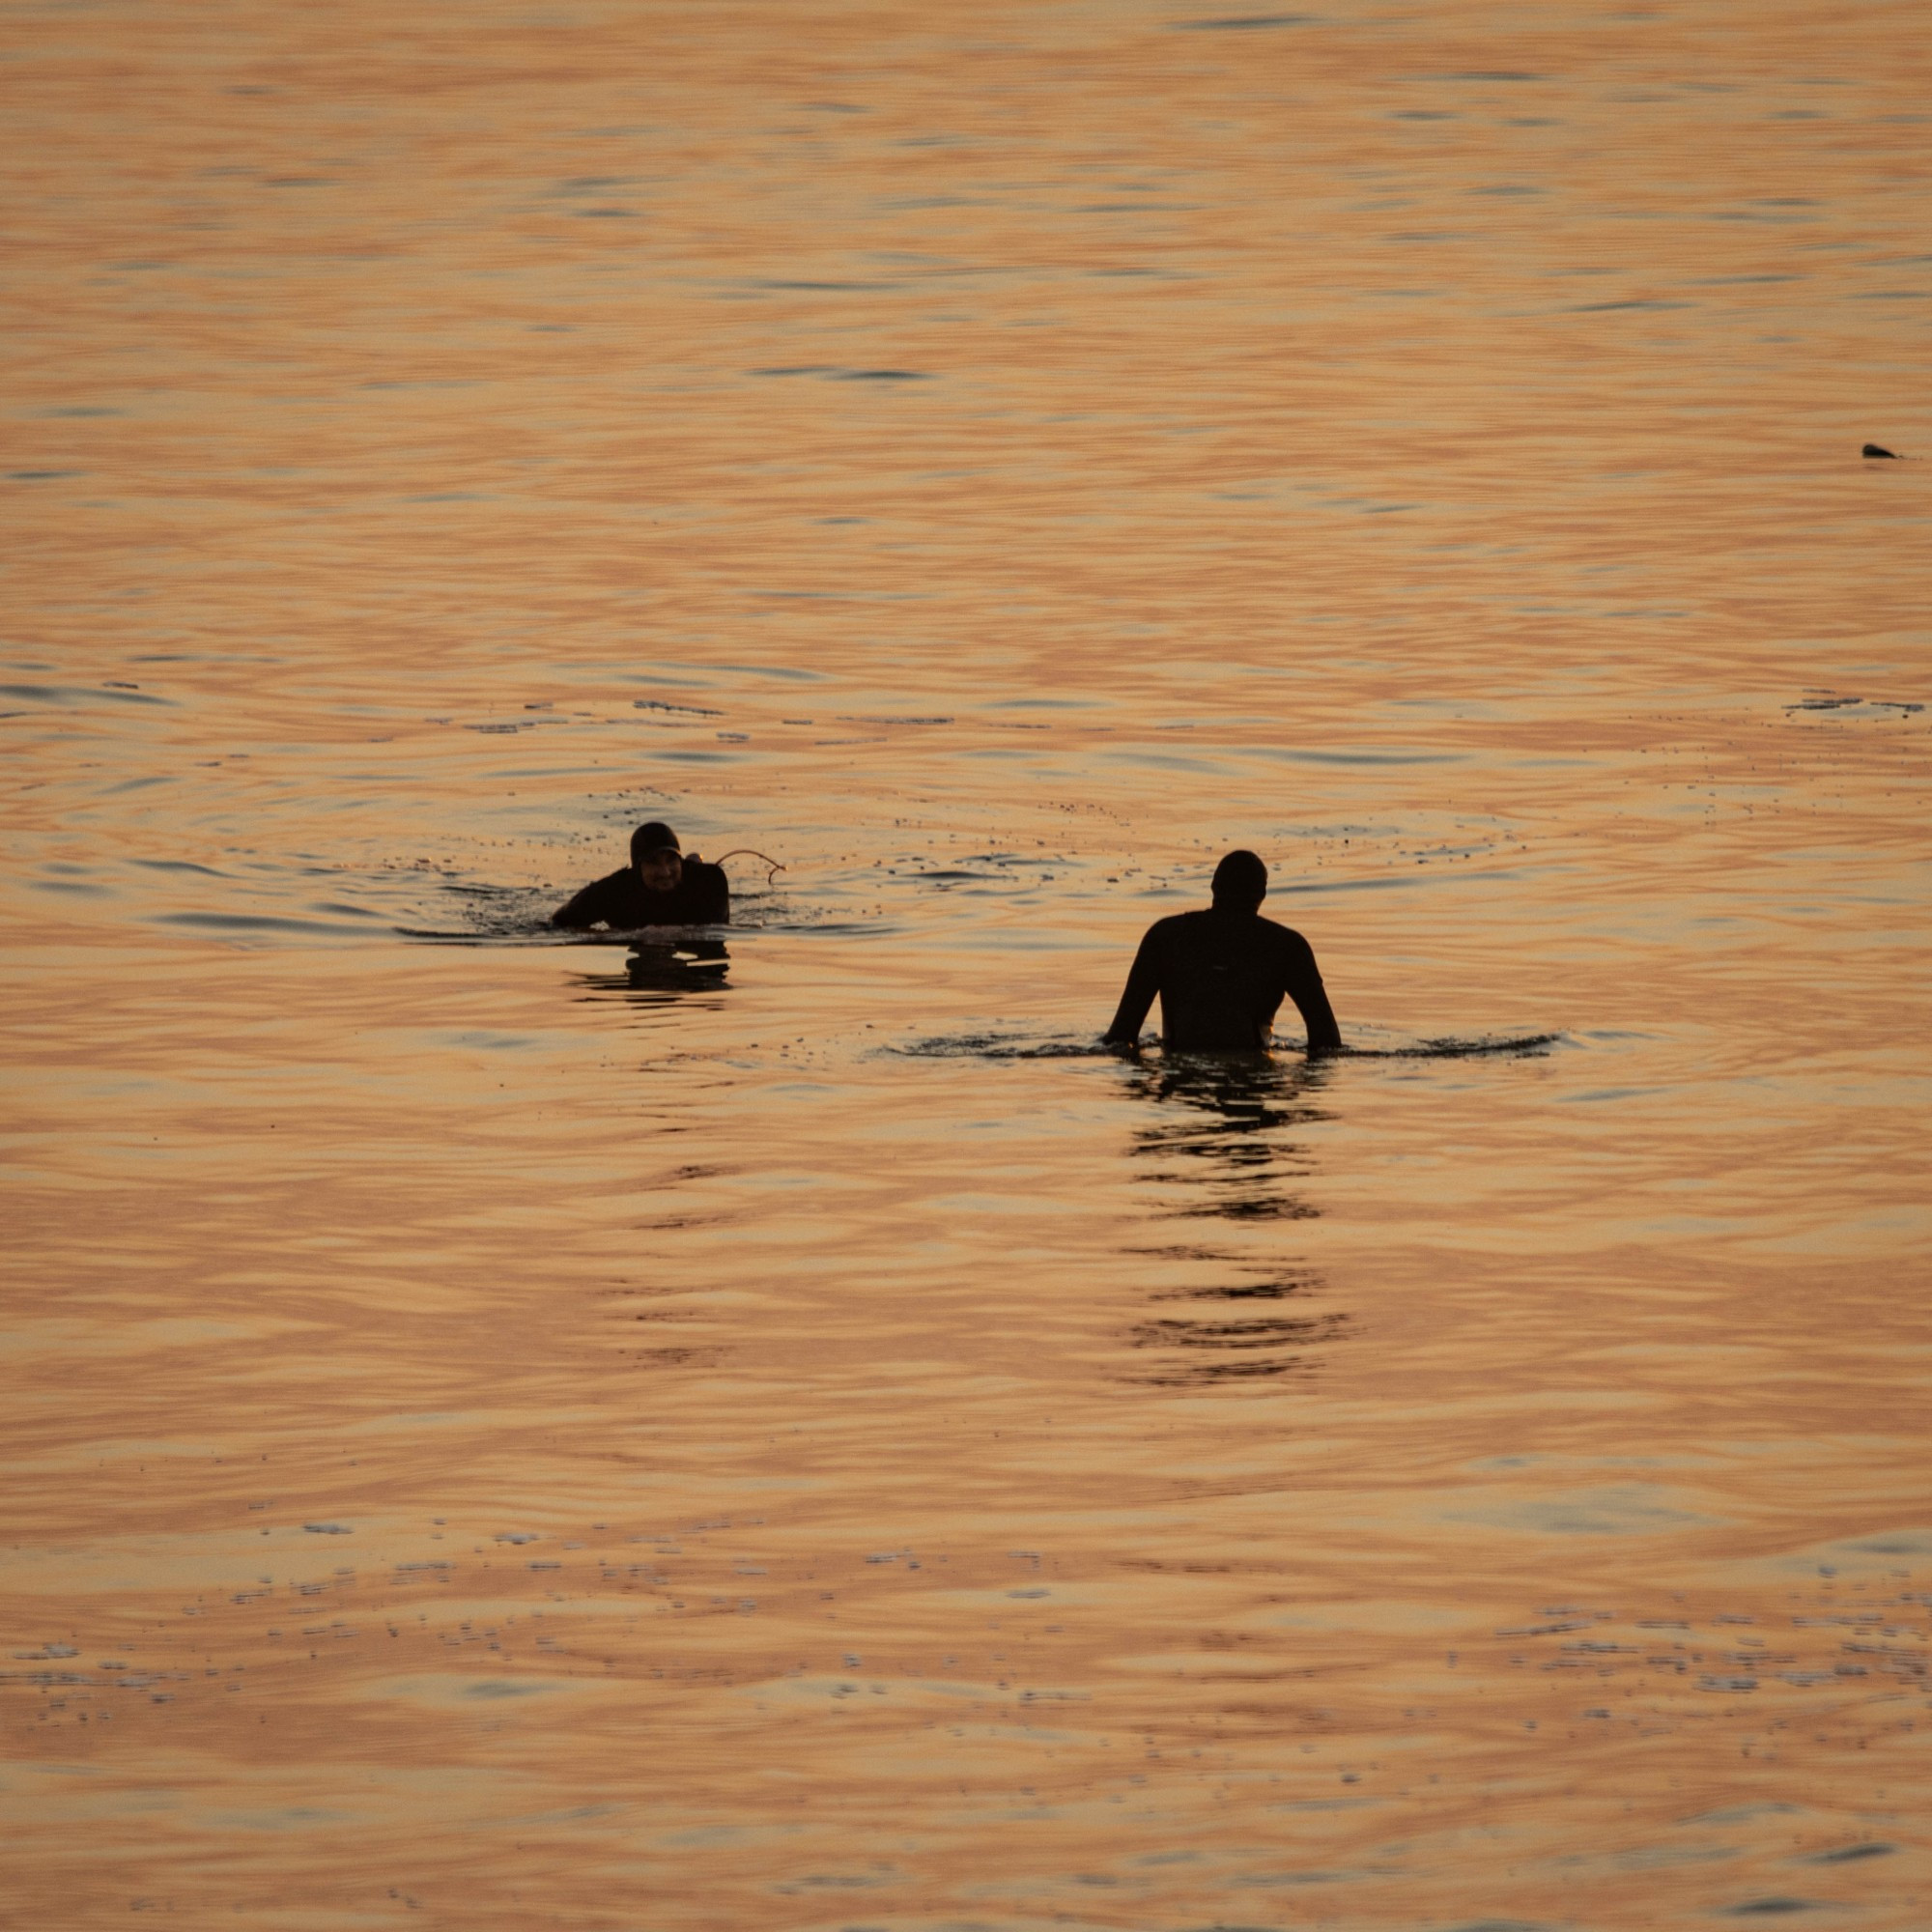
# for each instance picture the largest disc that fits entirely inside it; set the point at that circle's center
(1241, 882)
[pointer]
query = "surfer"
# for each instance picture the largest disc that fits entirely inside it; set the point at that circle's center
(660, 887)
(1222, 972)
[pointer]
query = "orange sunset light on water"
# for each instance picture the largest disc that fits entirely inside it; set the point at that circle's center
(770, 1423)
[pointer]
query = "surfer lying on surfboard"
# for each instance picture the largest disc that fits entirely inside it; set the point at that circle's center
(661, 885)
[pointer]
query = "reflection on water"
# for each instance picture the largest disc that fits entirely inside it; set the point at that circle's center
(663, 970)
(1218, 1132)
(1218, 1142)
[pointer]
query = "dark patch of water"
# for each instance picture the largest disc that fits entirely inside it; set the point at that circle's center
(73, 693)
(1244, 23)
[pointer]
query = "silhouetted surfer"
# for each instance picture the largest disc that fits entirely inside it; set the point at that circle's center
(1221, 974)
(659, 887)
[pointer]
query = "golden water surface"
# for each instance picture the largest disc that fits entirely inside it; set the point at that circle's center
(498, 1435)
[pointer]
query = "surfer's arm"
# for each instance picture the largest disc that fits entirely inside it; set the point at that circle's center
(585, 909)
(713, 892)
(1142, 983)
(1311, 999)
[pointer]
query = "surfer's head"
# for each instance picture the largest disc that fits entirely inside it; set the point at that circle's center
(1241, 882)
(656, 857)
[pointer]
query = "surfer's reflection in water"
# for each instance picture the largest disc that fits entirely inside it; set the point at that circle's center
(662, 971)
(1220, 1143)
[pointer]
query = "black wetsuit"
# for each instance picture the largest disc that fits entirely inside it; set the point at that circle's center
(621, 901)
(1220, 975)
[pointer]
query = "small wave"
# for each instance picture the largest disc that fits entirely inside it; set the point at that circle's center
(494, 916)
(1482, 1046)
(1001, 1046)
(480, 935)
(535, 929)
(1026, 1047)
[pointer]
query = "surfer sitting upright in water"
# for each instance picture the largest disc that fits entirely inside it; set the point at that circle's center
(659, 887)
(1221, 972)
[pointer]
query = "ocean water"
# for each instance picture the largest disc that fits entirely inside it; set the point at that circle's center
(503, 1431)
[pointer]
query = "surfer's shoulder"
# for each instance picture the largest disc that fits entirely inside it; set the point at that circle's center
(1283, 936)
